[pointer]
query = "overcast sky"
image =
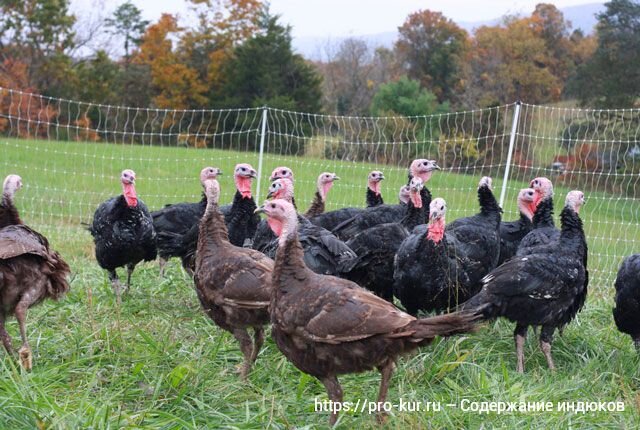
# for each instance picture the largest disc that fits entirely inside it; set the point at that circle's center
(332, 18)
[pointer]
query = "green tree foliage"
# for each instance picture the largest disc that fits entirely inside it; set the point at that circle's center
(127, 22)
(611, 78)
(405, 97)
(264, 70)
(432, 49)
(38, 33)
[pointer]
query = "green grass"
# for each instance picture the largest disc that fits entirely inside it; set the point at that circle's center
(158, 362)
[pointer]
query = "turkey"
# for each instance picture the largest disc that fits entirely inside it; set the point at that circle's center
(627, 311)
(323, 252)
(428, 273)
(175, 219)
(324, 184)
(8, 212)
(374, 196)
(543, 230)
(477, 237)
(239, 217)
(420, 168)
(376, 247)
(30, 271)
(432, 274)
(512, 232)
(123, 232)
(282, 172)
(327, 326)
(545, 288)
(403, 195)
(232, 283)
(330, 220)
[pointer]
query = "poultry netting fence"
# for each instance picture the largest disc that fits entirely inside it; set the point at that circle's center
(70, 155)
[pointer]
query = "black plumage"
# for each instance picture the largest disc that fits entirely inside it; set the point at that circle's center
(545, 288)
(123, 232)
(239, 216)
(543, 230)
(627, 311)
(376, 247)
(512, 232)
(429, 273)
(323, 252)
(383, 214)
(373, 197)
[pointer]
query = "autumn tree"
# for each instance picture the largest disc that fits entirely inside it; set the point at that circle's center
(264, 70)
(127, 22)
(39, 34)
(431, 48)
(222, 25)
(548, 22)
(611, 78)
(175, 84)
(510, 63)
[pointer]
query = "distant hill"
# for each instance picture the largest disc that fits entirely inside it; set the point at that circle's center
(581, 16)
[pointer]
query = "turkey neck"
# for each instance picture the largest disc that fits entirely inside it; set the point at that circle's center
(8, 212)
(373, 198)
(488, 204)
(416, 216)
(289, 263)
(212, 228)
(572, 233)
(317, 206)
(544, 214)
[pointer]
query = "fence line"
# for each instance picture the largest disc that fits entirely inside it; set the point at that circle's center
(70, 155)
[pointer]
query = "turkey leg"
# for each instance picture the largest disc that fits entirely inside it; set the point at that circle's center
(242, 336)
(546, 336)
(334, 391)
(28, 298)
(520, 335)
(115, 284)
(6, 339)
(385, 371)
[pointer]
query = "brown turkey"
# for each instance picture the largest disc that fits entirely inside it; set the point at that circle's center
(30, 272)
(8, 212)
(327, 326)
(232, 283)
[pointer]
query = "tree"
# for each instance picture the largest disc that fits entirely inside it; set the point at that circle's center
(611, 78)
(222, 26)
(510, 63)
(431, 48)
(264, 70)
(549, 23)
(39, 33)
(405, 97)
(175, 84)
(127, 22)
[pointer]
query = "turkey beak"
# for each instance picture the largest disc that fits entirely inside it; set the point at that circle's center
(270, 195)
(259, 210)
(336, 177)
(436, 167)
(381, 178)
(253, 174)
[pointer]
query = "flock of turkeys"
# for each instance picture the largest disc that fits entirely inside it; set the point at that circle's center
(325, 281)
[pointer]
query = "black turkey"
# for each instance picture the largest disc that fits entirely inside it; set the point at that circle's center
(123, 232)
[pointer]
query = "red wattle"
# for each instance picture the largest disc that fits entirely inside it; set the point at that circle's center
(375, 187)
(275, 225)
(416, 199)
(244, 186)
(326, 187)
(130, 195)
(435, 231)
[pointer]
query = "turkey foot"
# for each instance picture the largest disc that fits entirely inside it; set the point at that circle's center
(26, 359)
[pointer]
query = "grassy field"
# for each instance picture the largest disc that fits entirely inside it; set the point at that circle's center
(157, 361)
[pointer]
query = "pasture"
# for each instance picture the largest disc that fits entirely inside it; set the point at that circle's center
(157, 361)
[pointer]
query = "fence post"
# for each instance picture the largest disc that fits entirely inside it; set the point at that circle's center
(263, 128)
(512, 140)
